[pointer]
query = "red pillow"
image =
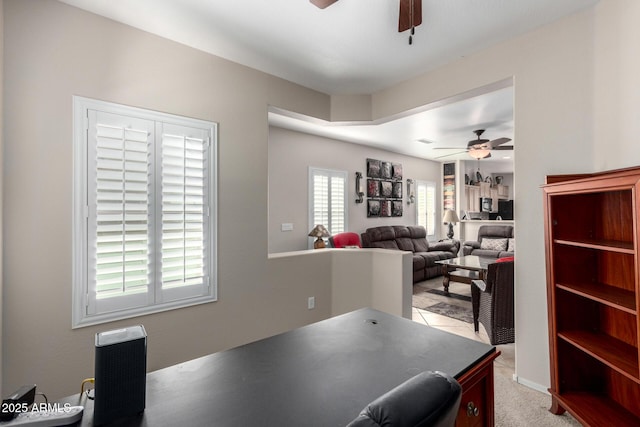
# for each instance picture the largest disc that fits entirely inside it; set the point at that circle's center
(505, 259)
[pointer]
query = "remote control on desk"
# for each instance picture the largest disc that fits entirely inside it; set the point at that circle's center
(60, 417)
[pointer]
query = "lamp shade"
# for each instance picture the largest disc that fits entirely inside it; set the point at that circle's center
(450, 216)
(319, 231)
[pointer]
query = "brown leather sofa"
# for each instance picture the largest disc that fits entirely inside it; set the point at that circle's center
(413, 239)
(498, 239)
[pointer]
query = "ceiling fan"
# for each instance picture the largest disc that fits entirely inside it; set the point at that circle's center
(481, 148)
(410, 14)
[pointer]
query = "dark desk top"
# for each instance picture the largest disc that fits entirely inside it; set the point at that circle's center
(318, 375)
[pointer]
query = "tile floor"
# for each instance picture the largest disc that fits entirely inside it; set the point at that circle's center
(506, 361)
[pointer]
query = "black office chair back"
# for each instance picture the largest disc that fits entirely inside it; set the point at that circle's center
(429, 399)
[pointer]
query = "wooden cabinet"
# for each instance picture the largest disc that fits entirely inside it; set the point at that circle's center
(592, 241)
(473, 193)
(477, 403)
(494, 199)
(472, 196)
(485, 189)
(503, 191)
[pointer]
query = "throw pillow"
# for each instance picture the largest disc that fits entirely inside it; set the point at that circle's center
(511, 247)
(494, 244)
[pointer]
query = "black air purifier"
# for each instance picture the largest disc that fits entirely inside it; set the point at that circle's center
(120, 374)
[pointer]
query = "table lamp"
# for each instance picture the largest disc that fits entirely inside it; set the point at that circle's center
(319, 231)
(451, 217)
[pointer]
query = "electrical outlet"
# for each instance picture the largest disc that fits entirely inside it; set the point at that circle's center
(311, 303)
(286, 226)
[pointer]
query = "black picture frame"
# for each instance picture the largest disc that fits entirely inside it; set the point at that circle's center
(396, 208)
(385, 208)
(373, 168)
(396, 171)
(373, 188)
(386, 170)
(373, 208)
(386, 189)
(396, 192)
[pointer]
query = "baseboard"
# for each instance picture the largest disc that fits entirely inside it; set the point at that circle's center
(531, 384)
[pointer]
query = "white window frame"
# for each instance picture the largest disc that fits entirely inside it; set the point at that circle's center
(329, 173)
(156, 298)
(427, 185)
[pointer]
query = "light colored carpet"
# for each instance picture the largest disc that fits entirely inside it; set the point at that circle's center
(520, 406)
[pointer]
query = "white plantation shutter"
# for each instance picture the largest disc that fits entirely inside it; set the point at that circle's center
(338, 217)
(184, 211)
(119, 211)
(327, 202)
(426, 206)
(320, 201)
(144, 215)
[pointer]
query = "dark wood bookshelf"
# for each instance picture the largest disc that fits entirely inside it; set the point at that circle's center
(591, 247)
(615, 297)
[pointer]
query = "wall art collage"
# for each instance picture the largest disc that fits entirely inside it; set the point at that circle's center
(384, 188)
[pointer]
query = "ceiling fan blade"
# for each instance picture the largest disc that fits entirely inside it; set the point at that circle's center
(508, 147)
(323, 3)
(450, 154)
(499, 141)
(409, 18)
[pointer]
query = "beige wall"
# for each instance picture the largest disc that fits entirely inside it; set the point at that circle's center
(616, 67)
(1, 181)
(291, 154)
(576, 96)
(54, 51)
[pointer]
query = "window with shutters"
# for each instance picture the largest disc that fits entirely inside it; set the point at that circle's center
(426, 207)
(144, 219)
(327, 200)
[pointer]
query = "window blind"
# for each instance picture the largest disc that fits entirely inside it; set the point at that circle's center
(144, 212)
(122, 211)
(327, 204)
(183, 210)
(320, 201)
(337, 190)
(426, 206)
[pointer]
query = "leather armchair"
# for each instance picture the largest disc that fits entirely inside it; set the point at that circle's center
(499, 232)
(428, 399)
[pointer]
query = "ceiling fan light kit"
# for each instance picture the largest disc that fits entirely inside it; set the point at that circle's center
(481, 148)
(480, 154)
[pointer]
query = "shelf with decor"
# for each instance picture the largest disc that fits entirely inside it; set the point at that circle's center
(502, 190)
(591, 241)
